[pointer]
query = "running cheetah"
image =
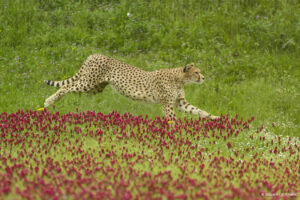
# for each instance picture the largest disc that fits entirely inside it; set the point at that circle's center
(165, 86)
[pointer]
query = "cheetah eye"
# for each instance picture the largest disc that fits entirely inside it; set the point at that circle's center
(196, 72)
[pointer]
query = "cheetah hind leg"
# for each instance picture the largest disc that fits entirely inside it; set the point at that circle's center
(99, 88)
(74, 87)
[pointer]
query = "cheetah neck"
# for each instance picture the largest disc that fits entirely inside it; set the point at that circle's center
(179, 79)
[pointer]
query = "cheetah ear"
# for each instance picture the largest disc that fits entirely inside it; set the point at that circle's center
(188, 67)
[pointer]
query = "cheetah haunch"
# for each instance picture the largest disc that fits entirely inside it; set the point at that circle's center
(165, 86)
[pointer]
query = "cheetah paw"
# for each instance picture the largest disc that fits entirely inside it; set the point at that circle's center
(47, 103)
(212, 117)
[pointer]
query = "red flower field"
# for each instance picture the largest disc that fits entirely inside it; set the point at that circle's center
(90, 155)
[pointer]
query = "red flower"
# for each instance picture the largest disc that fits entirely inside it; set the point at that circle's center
(229, 145)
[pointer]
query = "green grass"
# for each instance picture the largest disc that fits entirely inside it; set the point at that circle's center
(248, 51)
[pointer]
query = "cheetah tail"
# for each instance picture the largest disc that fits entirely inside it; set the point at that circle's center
(64, 82)
(60, 83)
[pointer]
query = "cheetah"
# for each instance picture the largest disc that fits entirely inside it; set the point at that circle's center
(165, 86)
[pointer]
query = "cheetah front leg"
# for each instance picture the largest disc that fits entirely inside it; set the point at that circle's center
(168, 110)
(184, 106)
(167, 100)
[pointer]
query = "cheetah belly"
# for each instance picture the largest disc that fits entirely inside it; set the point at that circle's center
(135, 93)
(136, 90)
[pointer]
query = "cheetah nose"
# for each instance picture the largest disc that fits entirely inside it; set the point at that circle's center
(203, 78)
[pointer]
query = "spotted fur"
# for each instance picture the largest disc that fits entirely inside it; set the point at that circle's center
(164, 86)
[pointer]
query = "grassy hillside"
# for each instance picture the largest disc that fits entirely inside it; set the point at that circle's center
(248, 51)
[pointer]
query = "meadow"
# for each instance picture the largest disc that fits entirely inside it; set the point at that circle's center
(247, 50)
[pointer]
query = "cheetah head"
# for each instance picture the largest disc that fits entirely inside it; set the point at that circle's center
(192, 74)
